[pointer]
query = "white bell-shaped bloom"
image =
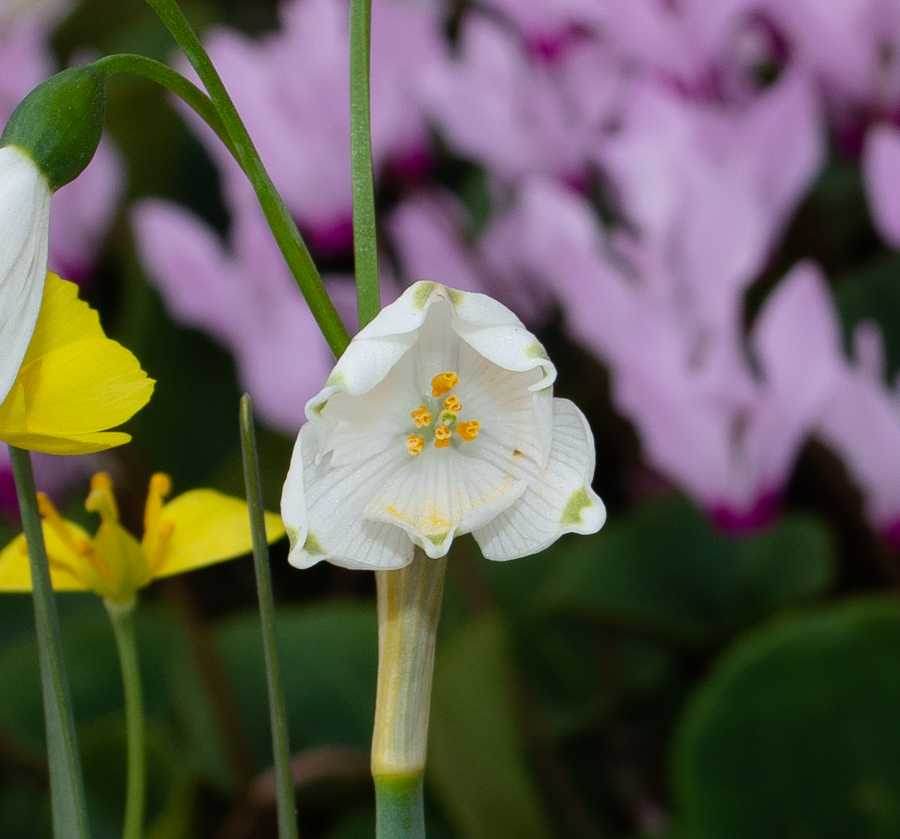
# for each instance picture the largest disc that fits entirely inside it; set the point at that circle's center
(24, 223)
(438, 420)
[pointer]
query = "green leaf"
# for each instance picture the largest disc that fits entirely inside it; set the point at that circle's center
(796, 733)
(663, 569)
(476, 757)
(328, 656)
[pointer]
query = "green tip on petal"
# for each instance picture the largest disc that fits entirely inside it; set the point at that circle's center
(312, 546)
(571, 514)
(423, 290)
(59, 124)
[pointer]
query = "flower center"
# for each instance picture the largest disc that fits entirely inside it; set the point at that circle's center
(438, 420)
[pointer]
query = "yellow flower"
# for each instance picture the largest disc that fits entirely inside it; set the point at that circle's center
(198, 528)
(74, 382)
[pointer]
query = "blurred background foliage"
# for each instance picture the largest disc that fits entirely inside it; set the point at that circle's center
(657, 679)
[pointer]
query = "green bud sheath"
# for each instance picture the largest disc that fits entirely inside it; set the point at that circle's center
(59, 123)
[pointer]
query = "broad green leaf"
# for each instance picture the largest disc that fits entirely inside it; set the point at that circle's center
(328, 655)
(476, 758)
(796, 733)
(663, 569)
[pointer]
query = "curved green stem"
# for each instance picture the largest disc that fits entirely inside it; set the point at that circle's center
(136, 791)
(187, 91)
(283, 228)
(365, 248)
(66, 784)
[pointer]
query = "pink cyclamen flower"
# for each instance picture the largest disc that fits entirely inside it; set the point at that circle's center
(861, 422)
(243, 295)
(724, 429)
(292, 90)
(881, 175)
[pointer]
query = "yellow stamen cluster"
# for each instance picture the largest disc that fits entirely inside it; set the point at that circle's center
(467, 430)
(421, 416)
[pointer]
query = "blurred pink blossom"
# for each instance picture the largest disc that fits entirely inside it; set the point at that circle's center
(881, 175)
(724, 426)
(498, 106)
(292, 89)
(861, 422)
(242, 293)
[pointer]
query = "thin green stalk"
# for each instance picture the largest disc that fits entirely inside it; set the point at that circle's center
(187, 91)
(136, 791)
(409, 607)
(66, 784)
(284, 786)
(364, 234)
(283, 228)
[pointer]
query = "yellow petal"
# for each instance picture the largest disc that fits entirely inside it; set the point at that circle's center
(125, 561)
(69, 571)
(206, 527)
(74, 382)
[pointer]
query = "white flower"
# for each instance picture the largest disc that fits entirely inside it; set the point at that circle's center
(438, 420)
(24, 223)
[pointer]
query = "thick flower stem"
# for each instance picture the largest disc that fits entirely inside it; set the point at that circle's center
(135, 795)
(409, 607)
(66, 784)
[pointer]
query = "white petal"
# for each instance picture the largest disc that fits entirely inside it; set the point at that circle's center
(24, 221)
(323, 511)
(503, 402)
(442, 493)
(559, 498)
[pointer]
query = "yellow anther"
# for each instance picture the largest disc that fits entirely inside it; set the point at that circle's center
(452, 403)
(444, 383)
(160, 487)
(468, 430)
(415, 444)
(101, 499)
(421, 416)
(442, 436)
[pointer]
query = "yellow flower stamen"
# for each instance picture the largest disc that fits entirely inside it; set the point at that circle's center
(415, 444)
(82, 547)
(101, 499)
(452, 403)
(444, 383)
(468, 430)
(421, 416)
(160, 487)
(442, 436)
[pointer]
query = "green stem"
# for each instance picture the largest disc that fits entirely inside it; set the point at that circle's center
(284, 786)
(123, 628)
(187, 91)
(283, 228)
(409, 607)
(365, 248)
(66, 784)
(399, 806)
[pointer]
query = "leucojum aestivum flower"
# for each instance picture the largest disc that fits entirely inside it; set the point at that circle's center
(438, 420)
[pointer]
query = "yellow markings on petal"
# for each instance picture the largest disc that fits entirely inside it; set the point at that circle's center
(415, 444)
(452, 403)
(421, 416)
(444, 383)
(442, 436)
(468, 431)
(74, 382)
